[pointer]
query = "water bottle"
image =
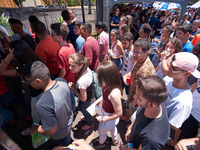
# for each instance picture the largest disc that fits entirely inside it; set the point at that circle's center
(129, 146)
(168, 51)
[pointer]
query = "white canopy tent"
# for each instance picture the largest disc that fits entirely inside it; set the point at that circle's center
(195, 5)
(104, 7)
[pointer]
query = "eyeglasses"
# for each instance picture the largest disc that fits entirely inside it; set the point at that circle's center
(27, 82)
(137, 53)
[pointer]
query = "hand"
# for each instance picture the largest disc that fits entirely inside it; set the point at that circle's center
(127, 135)
(10, 56)
(34, 129)
(164, 54)
(121, 147)
(125, 77)
(81, 145)
(99, 118)
(71, 85)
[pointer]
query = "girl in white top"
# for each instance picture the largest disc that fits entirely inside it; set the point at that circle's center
(171, 47)
(82, 86)
(117, 50)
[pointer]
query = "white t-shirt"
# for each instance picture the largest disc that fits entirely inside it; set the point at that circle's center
(196, 102)
(178, 104)
(85, 81)
(127, 61)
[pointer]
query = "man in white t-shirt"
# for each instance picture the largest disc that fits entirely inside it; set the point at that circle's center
(127, 65)
(179, 102)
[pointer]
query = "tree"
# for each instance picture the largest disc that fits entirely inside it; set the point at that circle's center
(19, 2)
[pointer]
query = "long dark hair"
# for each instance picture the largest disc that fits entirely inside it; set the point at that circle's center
(23, 53)
(79, 59)
(108, 72)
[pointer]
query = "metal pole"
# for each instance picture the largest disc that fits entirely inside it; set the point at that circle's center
(82, 8)
(89, 7)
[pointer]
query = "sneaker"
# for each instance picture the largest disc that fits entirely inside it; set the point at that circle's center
(96, 145)
(110, 141)
(26, 132)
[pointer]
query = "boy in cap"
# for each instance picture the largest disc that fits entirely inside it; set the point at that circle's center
(179, 102)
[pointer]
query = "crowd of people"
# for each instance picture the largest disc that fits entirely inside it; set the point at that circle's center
(151, 54)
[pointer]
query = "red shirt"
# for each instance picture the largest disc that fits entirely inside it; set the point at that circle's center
(107, 105)
(90, 50)
(47, 49)
(62, 58)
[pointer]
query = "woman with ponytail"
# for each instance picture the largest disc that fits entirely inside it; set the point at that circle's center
(82, 86)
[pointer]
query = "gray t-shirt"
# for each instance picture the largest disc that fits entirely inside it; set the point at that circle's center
(54, 108)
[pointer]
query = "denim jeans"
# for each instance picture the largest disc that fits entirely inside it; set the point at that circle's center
(82, 106)
(34, 114)
(118, 62)
(64, 141)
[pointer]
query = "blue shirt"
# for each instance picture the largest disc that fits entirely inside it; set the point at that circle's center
(187, 47)
(116, 20)
(71, 36)
(79, 43)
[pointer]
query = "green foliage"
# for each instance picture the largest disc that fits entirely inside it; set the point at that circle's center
(4, 21)
(19, 2)
(59, 19)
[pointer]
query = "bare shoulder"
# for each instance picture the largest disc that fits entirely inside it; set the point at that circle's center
(115, 94)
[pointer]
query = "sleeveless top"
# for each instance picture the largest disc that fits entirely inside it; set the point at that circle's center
(107, 105)
(115, 51)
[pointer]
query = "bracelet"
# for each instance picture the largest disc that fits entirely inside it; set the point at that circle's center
(103, 119)
(5, 62)
(163, 58)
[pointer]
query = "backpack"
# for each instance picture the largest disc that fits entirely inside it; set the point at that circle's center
(96, 87)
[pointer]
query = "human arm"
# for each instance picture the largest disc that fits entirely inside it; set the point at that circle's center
(193, 87)
(81, 145)
(176, 135)
(39, 129)
(128, 131)
(121, 50)
(115, 98)
(125, 77)
(4, 65)
(102, 48)
(114, 25)
(6, 61)
(164, 63)
(62, 72)
(82, 95)
(99, 100)
(182, 144)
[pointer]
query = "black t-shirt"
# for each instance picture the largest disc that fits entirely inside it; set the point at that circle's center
(29, 40)
(152, 134)
(157, 26)
(33, 92)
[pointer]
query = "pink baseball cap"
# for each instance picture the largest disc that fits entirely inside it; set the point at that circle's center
(188, 62)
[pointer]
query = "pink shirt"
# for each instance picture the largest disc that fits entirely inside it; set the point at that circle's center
(104, 40)
(115, 51)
